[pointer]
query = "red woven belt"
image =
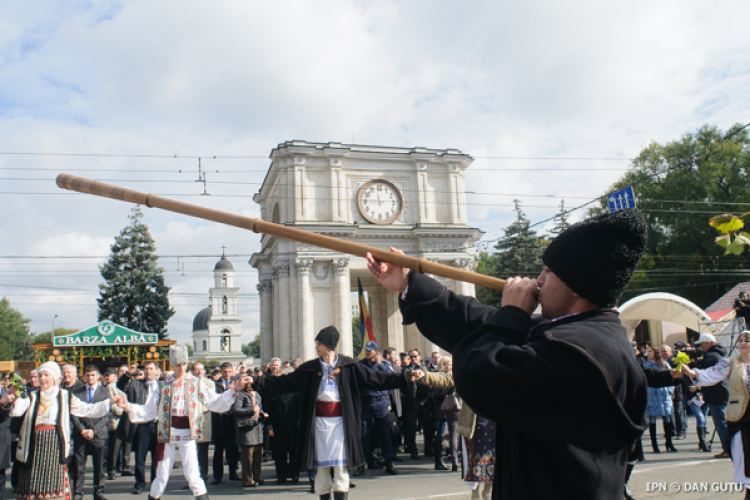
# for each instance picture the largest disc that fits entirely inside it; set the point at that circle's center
(180, 422)
(328, 409)
(44, 427)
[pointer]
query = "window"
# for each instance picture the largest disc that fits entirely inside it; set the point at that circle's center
(205, 345)
(224, 305)
(224, 281)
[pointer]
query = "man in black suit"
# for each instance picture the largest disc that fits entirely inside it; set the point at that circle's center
(90, 434)
(224, 430)
(136, 385)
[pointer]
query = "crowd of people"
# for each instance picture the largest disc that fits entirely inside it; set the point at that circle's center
(259, 426)
(550, 406)
(671, 404)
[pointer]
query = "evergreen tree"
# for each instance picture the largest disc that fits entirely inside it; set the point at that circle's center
(561, 223)
(519, 253)
(14, 334)
(134, 294)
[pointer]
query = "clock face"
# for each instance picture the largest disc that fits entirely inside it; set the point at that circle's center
(379, 201)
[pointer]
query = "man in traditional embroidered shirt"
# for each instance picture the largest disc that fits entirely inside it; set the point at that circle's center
(330, 432)
(179, 406)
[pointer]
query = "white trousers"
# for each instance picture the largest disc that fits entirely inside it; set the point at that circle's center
(189, 455)
(325, 484)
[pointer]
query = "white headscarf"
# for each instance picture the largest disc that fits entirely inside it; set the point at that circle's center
(53, 369)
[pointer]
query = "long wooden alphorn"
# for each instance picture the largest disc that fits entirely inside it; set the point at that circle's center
(421, 265)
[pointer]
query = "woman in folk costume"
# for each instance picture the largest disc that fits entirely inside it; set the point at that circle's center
(478, 434)
(45, 434)
(330, 428)
(737, 371)
(178, 406)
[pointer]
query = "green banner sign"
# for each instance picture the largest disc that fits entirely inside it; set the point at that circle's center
(107, 333)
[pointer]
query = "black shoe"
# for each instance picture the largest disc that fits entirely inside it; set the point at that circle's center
(281, 481)
(295, 479)
(100, 497)
(359, 472)
(340, 495)
(202, 497)
(327, 496)
(259, 482)
(439, 465)
(397, 459)
(216, 481)
(415, 456)
(111, 476)
(352, 485)
(137, 491)
(235, 478)
(127, 473)
(454, 468)
(389, 467)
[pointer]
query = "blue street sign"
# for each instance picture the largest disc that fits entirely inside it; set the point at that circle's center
(620, 200)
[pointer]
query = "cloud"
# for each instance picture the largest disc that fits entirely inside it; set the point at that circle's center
(535, 79)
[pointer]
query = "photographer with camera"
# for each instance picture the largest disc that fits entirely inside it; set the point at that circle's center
(742, 307)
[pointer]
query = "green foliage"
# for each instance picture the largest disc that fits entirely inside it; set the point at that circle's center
(189, 349)
(14, 334)
(561, 223)
(46, 337)
(683, 249)
(134, 294)
(519, 253)
(252, 348)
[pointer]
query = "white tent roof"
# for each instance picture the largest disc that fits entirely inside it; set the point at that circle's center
(662, 307)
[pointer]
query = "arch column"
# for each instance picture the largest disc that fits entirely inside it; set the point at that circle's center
(282, 333)
(266, 320)
(305, 309)
(343, 301)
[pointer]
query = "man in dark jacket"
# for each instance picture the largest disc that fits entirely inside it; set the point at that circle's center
(567, 393)
(330, 424)
(716, 397)
(136, 385)
(90, 434)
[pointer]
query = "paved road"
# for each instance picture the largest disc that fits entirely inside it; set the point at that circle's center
(652, 479)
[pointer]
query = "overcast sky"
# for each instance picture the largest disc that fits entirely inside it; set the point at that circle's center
(588, 84)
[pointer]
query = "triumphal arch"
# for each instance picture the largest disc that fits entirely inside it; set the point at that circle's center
(410, 198)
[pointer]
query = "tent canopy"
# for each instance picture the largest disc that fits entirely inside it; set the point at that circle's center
(661, 306)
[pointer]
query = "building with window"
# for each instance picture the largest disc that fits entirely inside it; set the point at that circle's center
(217, 329)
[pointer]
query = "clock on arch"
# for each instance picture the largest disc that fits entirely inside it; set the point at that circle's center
(380, 201)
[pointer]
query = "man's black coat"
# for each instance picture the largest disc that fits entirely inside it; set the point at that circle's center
(98, 425)
(568, 396)
(717, 394)
(6, 438)
(137, 392)
(352, 378)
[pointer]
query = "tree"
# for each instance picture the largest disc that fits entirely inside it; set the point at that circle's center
(134, 294)
(14, 334)
(252, 348)
(562, 223)
(678, 186)
(42, 337)
(519, 253)
(189, 347)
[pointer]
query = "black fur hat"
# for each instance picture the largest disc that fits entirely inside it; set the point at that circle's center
(597, 257)
(329, 337)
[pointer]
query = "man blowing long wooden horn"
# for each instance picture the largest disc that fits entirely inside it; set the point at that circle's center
(565, 390)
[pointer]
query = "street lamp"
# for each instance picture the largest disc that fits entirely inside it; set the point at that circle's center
(53, 325)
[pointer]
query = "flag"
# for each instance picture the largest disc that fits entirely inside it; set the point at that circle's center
(365, 324)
